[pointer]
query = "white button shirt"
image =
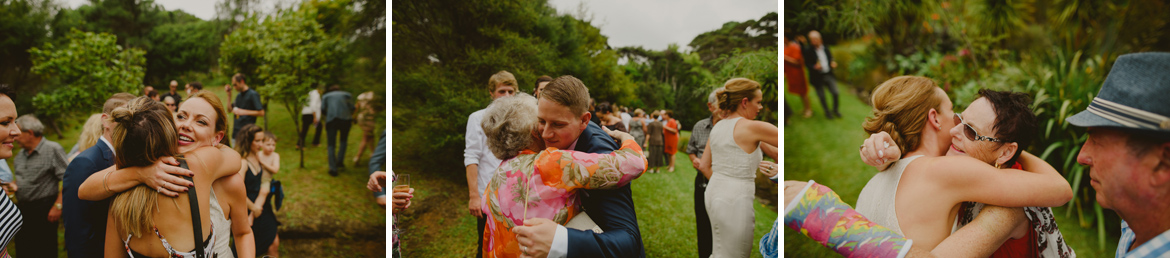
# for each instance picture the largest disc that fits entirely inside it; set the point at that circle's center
(475, 150)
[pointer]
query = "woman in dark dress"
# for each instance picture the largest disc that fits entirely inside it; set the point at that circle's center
(250, 142)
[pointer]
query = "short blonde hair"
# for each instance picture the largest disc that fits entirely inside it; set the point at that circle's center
(501, 77)
(508, 124)
(91, 132)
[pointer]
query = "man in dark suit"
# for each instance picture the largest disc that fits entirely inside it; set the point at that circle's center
(564, 124)
(85, 232)
(820, 64)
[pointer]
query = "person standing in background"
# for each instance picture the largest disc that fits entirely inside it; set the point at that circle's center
(695, 147)
(40, 166)
(794, 73)
(337, 105)
(819, 62)
(478, 160)
(174, 93)
(310, 115)
(670, 129)
(247, 105)
(367, 120)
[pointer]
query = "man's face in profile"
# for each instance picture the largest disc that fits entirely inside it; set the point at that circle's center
(558, 126)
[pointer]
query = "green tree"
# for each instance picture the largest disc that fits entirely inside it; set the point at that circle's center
(288, 52)
(85, 72)
(23, 26)
(189, 44)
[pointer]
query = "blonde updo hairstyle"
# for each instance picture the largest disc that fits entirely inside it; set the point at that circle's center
(901, 107)
(145, 133)
(508, 124)
(735, 90)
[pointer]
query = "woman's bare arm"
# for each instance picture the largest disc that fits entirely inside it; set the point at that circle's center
(237, 198)
(968, 179)
(162, 173)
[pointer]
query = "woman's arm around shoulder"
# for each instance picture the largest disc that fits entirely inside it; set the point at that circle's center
(221, 160)
(110, 181)
(590, 170)
(969, 179)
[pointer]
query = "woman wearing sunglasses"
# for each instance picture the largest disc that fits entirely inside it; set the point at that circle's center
(920, 194)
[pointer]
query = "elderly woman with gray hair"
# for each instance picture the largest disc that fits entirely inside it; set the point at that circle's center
(534, 182)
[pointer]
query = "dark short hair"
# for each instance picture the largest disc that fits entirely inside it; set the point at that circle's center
(542, 78)
(5, 90)
(335, 87)
(239, 77)
(196, 85)
(1014, 119)
(152, 93)
(604, 107)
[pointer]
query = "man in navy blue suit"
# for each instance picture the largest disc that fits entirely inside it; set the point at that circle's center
(564, 124)
(85, 229)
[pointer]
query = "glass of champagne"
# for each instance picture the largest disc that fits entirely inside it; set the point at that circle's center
(402, 183)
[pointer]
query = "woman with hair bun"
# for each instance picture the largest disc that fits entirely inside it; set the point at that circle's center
(730, 161)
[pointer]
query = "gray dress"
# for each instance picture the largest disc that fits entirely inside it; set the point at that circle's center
(636, 131)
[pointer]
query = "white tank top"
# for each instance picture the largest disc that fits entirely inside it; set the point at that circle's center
(728, 160)
(876, 201)
(221, 226)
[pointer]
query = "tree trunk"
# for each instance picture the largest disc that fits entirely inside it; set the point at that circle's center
(297, 124)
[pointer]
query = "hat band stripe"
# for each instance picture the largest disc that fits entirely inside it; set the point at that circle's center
(1125, 115)
(1136, 113)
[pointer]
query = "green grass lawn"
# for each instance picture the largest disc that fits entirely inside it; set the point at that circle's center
(439, 225)
(322, 216)
(826, 151)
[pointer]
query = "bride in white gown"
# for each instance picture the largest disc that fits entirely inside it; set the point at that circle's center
(730, 161)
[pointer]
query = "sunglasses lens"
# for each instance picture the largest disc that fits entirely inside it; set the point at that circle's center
(970, 132)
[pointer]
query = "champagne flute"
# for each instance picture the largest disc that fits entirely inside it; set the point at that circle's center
(401, 183)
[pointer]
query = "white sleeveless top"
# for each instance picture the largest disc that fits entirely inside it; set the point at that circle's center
(876, 201)
(221, 228)
(727, 159)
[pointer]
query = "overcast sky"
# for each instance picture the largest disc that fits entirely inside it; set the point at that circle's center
(654, 24)
(204, 9)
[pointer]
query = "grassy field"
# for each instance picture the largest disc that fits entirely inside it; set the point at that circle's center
(322, 216)
(826, 151)
(439, 226)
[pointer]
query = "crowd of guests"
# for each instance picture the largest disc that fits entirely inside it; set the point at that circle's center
(552, 172)
(164, 169)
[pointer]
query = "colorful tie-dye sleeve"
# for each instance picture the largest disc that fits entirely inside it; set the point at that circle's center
(571, 170)
(821, 215)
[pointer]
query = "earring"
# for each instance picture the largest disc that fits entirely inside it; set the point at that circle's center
(997, 165)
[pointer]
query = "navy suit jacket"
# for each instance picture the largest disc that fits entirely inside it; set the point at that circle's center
(612, 210)
(85, 221)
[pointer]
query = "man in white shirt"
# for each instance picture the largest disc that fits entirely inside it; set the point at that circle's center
(479, 161)
(819, 62)
(310, 115)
